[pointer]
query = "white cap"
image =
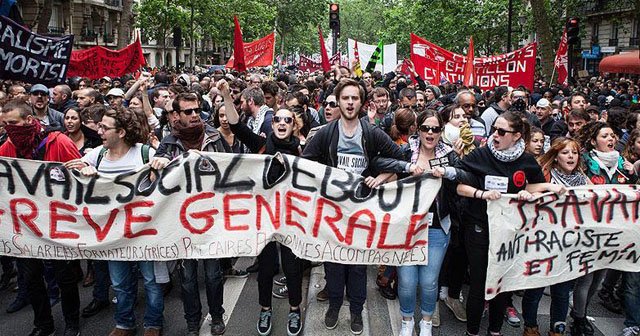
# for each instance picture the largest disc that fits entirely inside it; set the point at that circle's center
(116, 92)
(543, 102)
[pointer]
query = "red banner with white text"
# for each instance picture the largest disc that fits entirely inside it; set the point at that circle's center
(97, 62)
(258, 53)
(434, 64)
(309, 64)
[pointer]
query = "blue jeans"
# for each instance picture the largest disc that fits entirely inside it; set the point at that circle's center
(425, 275)
(559, 304)
(631, 298)
(214, 286)
(125, 285)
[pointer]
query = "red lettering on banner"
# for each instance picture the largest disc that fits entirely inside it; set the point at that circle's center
(274, 216)
(414, 229)
(55, 217)
(383, 234)
(331, 221)
(228, 212)
(27, 219)
(130, 218)
(289, 208)
(533, 267)
(207, 215)
(353, 224)
(100, 232)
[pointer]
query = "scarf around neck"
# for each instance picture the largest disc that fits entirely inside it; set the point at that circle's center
(26, 138)
(190, 136)
(568, 180)
(608, 161)
(256, 123)
(507, 155)
(441, 150)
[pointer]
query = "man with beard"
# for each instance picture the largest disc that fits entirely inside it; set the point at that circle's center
(259, 114)
(349, 143)
(501, 103)
(86, 97)
(190, 132)
(51, 119)
(36, 144)
(577, 101)
(62, 98)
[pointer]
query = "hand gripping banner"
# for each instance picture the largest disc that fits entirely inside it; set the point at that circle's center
(557, 238)
(212, 205)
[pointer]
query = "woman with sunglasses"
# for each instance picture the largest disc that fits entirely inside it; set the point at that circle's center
(421, 151)
(282, 140)
(561, 165)
(603, 165)
(502, 166)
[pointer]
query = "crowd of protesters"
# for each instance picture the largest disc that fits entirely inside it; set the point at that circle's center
(393, 125)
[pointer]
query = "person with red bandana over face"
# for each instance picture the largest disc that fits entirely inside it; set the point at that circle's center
(28, 140)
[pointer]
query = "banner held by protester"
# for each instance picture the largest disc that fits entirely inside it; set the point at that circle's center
(97, 62)
(434, 63)
(212, 205)
(33, 58)
(557, 238)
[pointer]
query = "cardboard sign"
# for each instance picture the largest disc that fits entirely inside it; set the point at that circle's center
(557, 238)
(32, 58)
(212, 205)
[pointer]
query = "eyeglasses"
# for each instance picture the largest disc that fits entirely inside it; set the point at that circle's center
(287, 120)
(331, 104)
(105, 127)
(191, 111)
(427, 129)
(501, 131)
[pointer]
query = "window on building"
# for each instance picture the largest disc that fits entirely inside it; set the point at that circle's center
(614, 30)
(595, 31)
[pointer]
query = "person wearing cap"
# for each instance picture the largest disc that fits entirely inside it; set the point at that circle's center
(432, 94)
(543, 112)
(50, 119)
(115, 97)
(105, 85)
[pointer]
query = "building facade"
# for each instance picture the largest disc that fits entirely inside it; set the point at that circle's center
(610, 27)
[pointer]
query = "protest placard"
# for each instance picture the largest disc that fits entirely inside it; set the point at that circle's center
(556, 238)
(436, 64)
(212, 205)
(30, 57)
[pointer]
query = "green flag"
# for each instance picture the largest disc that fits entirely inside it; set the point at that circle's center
(376, 57)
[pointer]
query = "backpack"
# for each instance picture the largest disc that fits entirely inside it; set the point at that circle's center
(144, 152)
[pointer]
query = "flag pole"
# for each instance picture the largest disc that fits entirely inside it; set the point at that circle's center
(275, 27)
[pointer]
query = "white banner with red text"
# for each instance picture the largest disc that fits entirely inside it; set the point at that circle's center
(212, 205)
(557, 238)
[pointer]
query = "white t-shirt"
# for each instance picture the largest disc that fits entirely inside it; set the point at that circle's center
(129, 162)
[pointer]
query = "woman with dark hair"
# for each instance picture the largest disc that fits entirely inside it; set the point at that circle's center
(281, 140)
(631, 151)
(457, 132)
(84, 137)
(420, 151)
(221, 123)
(404, 125)
(502, 166)
(561, 165)
(603, 165)
(535, 146)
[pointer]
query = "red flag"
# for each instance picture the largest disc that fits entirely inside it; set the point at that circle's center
(258, 53)
(326, 66)
(562, 59)
(238, 47)
(469, 69)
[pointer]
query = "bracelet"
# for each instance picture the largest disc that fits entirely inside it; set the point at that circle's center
(482, 195)
(475, 192)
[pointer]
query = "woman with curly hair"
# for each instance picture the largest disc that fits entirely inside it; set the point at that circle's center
(123, 133)
(603, 165)
(631, 151)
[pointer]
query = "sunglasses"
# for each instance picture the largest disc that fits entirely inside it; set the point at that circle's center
(501, 131)
(287, 120)
(427, 129)
(196, 110)
(331, 104)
